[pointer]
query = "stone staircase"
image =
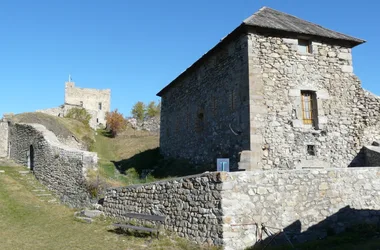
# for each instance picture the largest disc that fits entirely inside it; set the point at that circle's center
(37, 188)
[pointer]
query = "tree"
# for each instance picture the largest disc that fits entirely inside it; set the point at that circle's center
(138, 111)
(153, 109)
(79, 114)
(115, 122)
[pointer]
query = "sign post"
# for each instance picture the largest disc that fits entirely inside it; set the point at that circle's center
(223, 164)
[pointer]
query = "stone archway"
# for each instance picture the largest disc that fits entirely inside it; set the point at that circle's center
(31, 158)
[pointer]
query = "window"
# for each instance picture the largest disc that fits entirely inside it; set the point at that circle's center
(311, 150)
(81, 103)
(304, 46)
(199, 124)
(100, 106)
(309, 108)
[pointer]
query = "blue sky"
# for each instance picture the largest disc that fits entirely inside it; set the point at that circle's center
(136, 47)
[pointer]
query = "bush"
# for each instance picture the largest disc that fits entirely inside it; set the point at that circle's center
(138, 111)
(79, 114)
(115, 122)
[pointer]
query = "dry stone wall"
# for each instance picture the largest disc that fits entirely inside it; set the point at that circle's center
(192, 205)
(205, 114)
(59, 167)
(278, 74)
(222, 208)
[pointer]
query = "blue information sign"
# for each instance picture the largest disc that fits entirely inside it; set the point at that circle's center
(223, 164)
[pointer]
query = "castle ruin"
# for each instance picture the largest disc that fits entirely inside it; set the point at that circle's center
(97, 102)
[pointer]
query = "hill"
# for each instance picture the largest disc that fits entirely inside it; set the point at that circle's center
(69, 131)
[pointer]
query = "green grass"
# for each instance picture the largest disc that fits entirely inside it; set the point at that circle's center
(29, 223)
(125, 158)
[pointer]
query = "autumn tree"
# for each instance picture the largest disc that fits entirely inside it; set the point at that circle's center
(138, 111)
(115, 122)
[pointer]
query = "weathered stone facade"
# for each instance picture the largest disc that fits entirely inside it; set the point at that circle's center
(254, 79)
(97, 103)
(207, 114)
(3, 139)
(59, 167)
(224, 208)
(345, 111)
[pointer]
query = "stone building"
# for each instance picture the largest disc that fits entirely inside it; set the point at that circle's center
(277, 92)
(96, 101)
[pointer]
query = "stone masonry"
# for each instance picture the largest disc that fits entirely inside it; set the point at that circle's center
(57, 166)
(222, 208)
(192, 205)
(243, 99)
(3, 139)
(97, 103)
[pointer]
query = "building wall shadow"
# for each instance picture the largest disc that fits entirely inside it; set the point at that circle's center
(345, 219)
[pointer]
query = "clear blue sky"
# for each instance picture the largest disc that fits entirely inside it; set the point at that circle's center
(136, 47)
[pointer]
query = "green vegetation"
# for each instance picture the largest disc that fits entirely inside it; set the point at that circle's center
(79, 114)
(61, 127)
(140, 110)
(28, 222)
(135, 154)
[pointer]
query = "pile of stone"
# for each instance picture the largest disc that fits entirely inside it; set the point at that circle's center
(151, 124)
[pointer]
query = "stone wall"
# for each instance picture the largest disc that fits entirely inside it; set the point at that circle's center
(59, 167)
(278, 73)
(205, 114)
(3, 139)
(306, 203)
(192, 205)
(96, 100)
(223, 208)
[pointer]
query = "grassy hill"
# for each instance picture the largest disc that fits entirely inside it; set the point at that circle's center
(61, 127)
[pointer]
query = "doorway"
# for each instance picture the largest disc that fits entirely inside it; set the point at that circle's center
(31, 158)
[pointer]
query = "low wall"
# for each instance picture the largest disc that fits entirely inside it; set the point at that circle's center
(3, 139)
(59, 167)
(223, 208)
(192, 205)
(307, 201)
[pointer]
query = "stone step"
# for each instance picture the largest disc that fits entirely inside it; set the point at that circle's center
(40, 195)
(24, 172)
(85, 219)
(38, 190)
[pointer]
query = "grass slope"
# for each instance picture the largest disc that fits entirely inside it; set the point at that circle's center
(27, 222)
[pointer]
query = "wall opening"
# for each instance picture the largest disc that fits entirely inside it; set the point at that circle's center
(309, 108)
(9, 149)
(311, 150)
(31, 158)
(100, 106)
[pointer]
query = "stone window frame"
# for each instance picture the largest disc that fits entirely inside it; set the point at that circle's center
(305, 43)
(296, 107)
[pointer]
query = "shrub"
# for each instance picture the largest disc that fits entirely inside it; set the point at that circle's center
(138, 111)
(79, 114)
(115, 122)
